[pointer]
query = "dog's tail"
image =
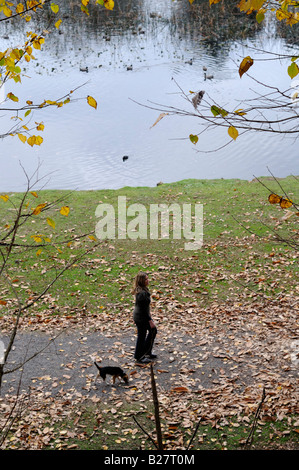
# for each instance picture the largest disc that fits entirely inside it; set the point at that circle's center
(97, 366)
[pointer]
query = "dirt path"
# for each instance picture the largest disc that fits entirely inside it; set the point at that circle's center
(197, 363)
(211, 365)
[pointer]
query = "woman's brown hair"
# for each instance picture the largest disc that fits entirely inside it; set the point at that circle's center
(139, 283)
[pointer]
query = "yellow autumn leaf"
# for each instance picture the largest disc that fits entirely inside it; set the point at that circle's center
(274, 198)
(34, 193)
(109, 4)
(250, 5)
(7, 11)
(179, 389)
(39, 252)
(58, 23)
(22, 137)
(193, 138)
(65, 210)
(12, 97)
(233, 132)
(51, 222)
(35, 140)
(54, 8)
(240, 112)
(92, 238)
(281, 15)
(19, 8)
(38, 42)
(84, 9)
(5, 197)
(92, 102)
(257, 4)
(245, 65)
(285, 203)
(40, 126)
(37, 210)
(37, 238)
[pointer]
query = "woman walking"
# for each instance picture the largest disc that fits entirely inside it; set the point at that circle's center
(146, 329)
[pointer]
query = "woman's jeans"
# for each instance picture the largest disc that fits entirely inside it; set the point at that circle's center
(145, 339)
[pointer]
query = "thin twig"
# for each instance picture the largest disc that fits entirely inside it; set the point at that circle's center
(249, 439)
(194, 434)
(157, 413)
(145, 432)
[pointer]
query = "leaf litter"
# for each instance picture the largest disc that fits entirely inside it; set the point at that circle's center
(212, 365)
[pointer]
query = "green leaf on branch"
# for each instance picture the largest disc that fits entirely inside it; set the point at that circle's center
(37, 238)
(12, 97)
(51, 222)
(193, 138)
(293, 70)
(216, 111)
(260, 16)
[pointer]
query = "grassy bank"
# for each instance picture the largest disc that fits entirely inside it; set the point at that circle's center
(239, 257)
(121, 433)
(233, 299)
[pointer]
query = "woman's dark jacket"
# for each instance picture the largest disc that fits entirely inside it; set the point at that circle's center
(141, 313)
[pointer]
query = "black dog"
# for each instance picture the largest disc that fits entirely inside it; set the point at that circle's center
(114, 371)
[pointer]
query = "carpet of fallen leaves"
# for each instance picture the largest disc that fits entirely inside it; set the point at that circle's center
(212, 365)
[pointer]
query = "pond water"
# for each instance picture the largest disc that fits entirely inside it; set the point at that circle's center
(137, 55)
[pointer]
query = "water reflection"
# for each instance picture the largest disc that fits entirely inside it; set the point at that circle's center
(134, 52)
